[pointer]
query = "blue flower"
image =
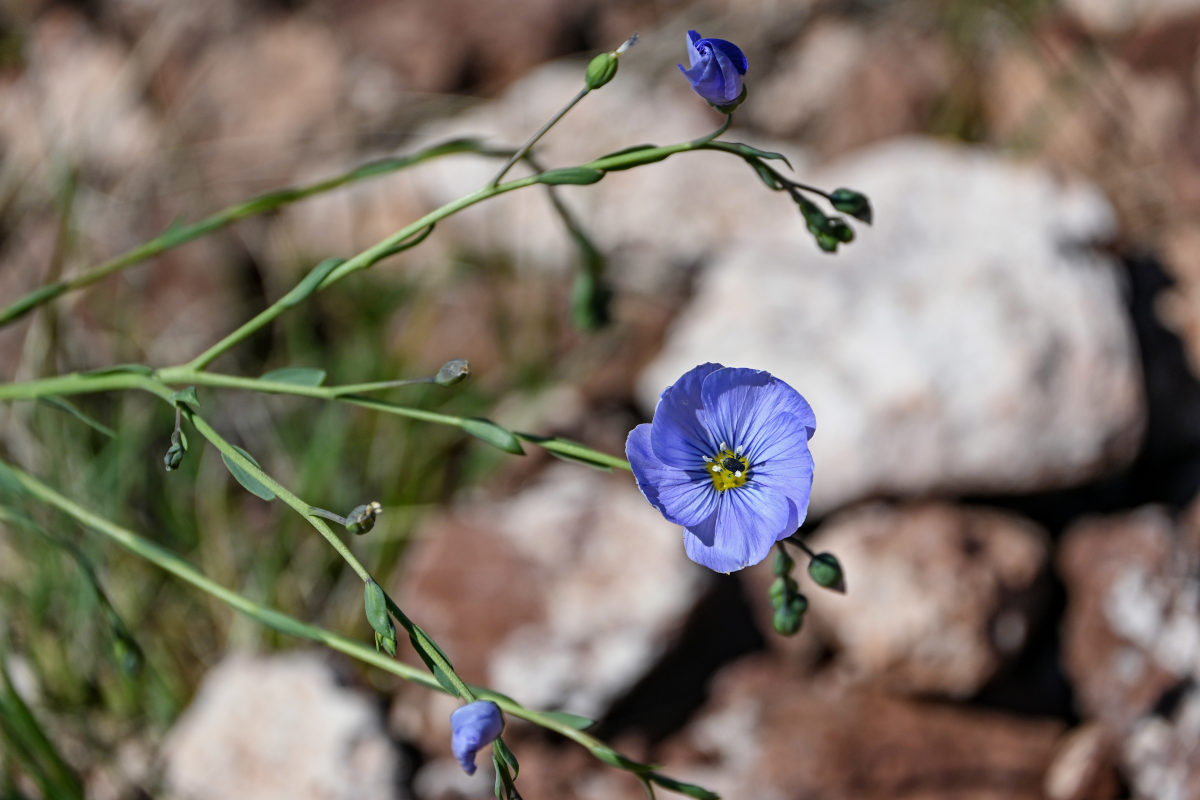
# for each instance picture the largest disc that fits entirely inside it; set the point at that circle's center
(716, 70)
(727, 458)
(472, 728)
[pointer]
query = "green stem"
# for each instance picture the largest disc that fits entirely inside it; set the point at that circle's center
(403, 238)
(542, 131)
(85, 383)
(277, 620)
(176, 236)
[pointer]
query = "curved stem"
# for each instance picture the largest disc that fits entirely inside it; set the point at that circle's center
(550, 123)
(284, 623)
(177, 235)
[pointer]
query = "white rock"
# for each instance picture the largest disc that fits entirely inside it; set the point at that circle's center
(280, 727)
(966, 343)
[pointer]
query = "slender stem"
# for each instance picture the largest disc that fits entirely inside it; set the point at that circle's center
(795, 539)
(170, 562)
(550, 123)
(178, 235)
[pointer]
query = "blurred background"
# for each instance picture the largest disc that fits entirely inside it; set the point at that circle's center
(1003, 370)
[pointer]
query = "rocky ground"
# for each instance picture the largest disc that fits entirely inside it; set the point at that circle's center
(1003, 369)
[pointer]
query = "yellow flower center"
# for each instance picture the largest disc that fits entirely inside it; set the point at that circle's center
(728, 469)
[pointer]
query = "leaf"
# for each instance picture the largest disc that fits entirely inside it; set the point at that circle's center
(311, 281)
(188, 397)
(613, 758)
(575, 721)
(298, 376)
(689, 789)
(573, 451)
(94, 424)
(509, 757)
(577, 176)
(493, 434)
(250, 483)
(442, 678)
(375, 604)
(649, 158)
(9, 481)
(747, 152)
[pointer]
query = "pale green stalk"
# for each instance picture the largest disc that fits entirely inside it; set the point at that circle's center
(170, 562)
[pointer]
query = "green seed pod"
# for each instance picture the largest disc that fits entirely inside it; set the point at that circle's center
(601, 70)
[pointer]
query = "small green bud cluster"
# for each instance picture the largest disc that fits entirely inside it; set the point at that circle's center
(787, 601)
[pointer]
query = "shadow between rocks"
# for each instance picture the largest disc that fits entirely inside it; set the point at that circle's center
(719, 630)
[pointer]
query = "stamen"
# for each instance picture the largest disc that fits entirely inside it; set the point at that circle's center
(737, 474)
(738, 452)
(722, 446)
(716, 467)
(707, 459)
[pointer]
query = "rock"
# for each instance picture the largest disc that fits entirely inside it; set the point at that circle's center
(939, 598)
(1132, 642)
(966, 343)
(280, 727)
(562, 596)
(767, 736)
(1111, 17)
(1082, 768)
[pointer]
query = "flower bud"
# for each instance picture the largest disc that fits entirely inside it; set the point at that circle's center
(472, 728)
(361, 519)
(826, 572)
(851, 202)
(789, 617)
(454, 371)
(173, 457)
(601, 70)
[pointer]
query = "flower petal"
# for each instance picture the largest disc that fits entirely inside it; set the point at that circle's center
(740, 404)
(679, 434)
(732, 52)
(685, 497)
(472, 728)
(748, 521)
(694, 56)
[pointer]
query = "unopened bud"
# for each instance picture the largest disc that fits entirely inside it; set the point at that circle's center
(601, 70)
(826, 572)
(361, 519)
(782, 565)
(789, 617)
(851, 202)
(454, 371)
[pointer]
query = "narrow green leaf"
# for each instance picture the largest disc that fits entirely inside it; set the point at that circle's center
(689, 789)
(375, 604)
(8, 480)
(509, 757)
(63, 405)
(576, 721)
(438, 673)
(577, 176)
(745, 150)
(612, 757)
(311, 281)
(493, 434)
(299, 376)
(250, 483)
(573, 451)
(187, 397)
(634, 159)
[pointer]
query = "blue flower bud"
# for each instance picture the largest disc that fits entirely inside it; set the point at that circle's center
(716, 71)
(472, 728)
